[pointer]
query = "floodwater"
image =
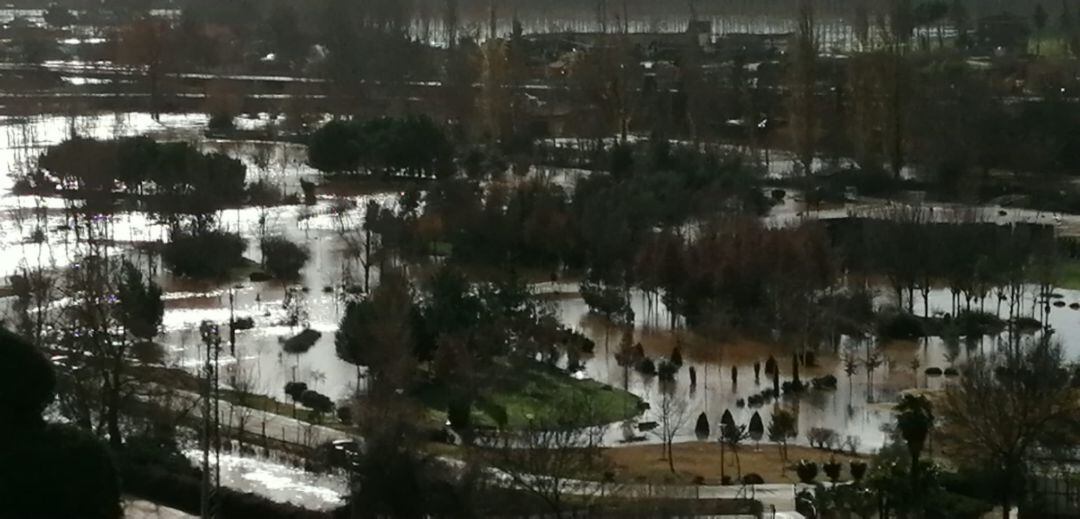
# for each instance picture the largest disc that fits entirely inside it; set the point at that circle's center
(278, 481)
(856, 408)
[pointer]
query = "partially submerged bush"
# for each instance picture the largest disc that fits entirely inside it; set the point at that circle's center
(283, 258)
(206, 254)
(667, 370)
(900, 325)
(646, 367)
(301, 342)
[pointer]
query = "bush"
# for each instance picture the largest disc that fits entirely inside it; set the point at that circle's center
(243, 323)
(900, 325)
(414, 146)
(793, 386)
(208, 254)
(264, 193)
(822, 438)
(807, 471)
(316, 401)
(295, 390)
(702, 429)
(832, 470)
(646, 367)
(283, 258)
(858, 470)
(676, 356)
(826, 382)
(344, 414)
(667, 370)
(976, 324)
(221, 122)
(301, 342)
(753, 479)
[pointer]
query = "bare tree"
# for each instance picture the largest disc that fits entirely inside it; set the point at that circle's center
(671, 415)
(733, 436)
(35, 290)
(553, 460)
(803, 81)
(1007, 406)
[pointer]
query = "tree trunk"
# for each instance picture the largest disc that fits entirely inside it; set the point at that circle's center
(113, 411)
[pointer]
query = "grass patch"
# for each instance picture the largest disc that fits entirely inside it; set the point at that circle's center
(701, 461)
(179, 379)
(1069, 276)
(538, 391)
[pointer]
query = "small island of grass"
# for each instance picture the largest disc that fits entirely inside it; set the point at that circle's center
(537, 391)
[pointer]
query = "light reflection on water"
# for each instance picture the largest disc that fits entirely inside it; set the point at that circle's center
(278, 481)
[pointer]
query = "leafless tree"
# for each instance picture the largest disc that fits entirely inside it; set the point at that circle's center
(554, 460)
(671, 415)
(1007, 406)
(803, 81)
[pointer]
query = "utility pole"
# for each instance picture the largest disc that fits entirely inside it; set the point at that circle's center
(211, 337)
(232, 321)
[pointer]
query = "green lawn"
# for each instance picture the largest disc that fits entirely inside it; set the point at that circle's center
(546, 394)
(1070, 275)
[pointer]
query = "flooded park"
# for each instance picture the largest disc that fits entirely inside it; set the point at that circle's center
(727, 374)
(470, 258)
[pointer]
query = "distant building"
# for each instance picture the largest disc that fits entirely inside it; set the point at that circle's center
(1001, 34)
(653, 45)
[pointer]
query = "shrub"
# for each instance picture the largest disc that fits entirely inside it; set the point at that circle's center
(207, 254)
(832, 470)
(344, 414)
(975, 324)
(295, 389)
(702, 428)
(793, 386)
(667, 370)
(316, 401)
(301, 342)
(676, 356)
(900, 325)
(1026, 324)
(243, 323)
(753, 479)
(283, 258)
(822, 438)
(858, 470)
(933, 372)
(264, 193)
(221, 122)
(411, 145)
(826, 382)
(646, 367)
(807, 471)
